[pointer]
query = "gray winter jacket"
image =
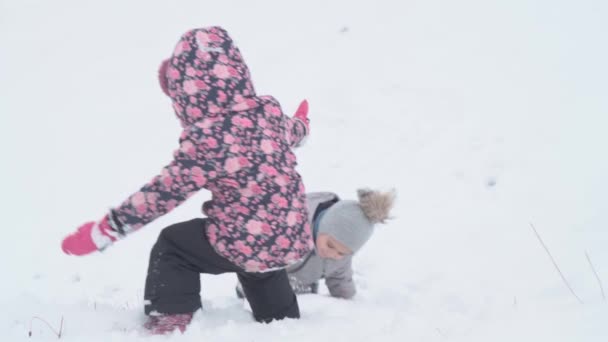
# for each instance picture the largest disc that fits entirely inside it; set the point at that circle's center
(338, 274)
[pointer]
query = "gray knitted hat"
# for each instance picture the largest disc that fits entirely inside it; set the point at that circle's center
(351, 222)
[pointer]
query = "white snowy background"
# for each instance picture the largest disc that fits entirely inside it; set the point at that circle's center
(486, 116)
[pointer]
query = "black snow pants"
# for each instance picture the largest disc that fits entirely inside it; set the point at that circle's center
(182, 252)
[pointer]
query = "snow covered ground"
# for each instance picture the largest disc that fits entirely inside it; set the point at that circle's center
(486, 116)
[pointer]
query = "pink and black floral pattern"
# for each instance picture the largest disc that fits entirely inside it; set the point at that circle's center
(236, 145)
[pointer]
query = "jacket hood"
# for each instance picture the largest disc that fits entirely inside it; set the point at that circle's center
(207, 76)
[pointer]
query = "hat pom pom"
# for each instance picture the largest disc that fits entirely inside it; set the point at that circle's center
(376, 205)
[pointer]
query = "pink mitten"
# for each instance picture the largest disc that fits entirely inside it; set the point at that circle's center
(90, 237)
(302, 114)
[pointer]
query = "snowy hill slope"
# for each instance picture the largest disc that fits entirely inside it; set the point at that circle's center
(485, 116)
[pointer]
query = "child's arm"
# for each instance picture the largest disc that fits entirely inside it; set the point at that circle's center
(340, 283)
(297, 127)
(188, 172)
(185, 175)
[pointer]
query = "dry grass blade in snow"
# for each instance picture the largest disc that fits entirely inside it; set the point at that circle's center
(599, 281)
(555, 264)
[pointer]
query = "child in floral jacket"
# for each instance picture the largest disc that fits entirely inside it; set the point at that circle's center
(341, 228)
(237, 145)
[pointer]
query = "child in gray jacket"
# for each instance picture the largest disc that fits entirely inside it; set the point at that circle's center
(340, 229)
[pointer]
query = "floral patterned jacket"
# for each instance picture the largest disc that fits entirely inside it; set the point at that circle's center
(236, 145)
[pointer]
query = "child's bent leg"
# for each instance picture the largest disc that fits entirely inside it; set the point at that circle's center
(180, 254)
(270, 295)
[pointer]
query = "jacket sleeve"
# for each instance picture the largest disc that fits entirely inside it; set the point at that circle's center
(296, 131)
(340, 283)
(187, 173)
